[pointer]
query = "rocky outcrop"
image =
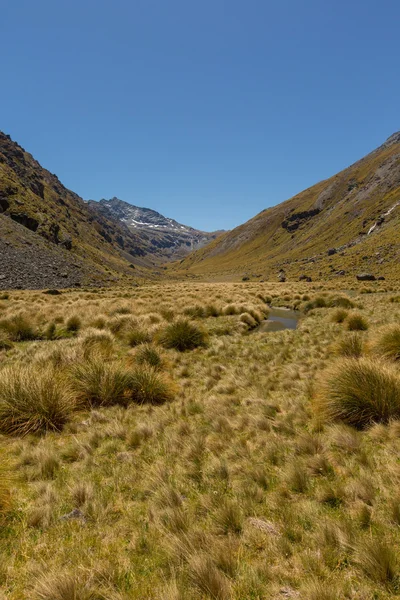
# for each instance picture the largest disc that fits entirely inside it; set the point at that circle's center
(293, 222)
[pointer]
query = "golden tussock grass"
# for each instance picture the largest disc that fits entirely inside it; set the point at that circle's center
(212, 461)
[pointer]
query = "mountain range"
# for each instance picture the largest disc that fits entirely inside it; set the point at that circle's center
(51, 237)
(168, 238)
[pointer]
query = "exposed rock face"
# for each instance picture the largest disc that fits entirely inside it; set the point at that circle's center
(293, 222)
(167, 237)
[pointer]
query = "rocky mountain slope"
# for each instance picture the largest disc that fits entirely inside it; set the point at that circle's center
(341, 226)
(60, 229)
(50, 237)
(168, 238)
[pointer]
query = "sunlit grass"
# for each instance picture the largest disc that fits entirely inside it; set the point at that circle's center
(202, 473)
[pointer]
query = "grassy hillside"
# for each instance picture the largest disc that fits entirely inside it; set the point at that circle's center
(252, 465)
(335, 214)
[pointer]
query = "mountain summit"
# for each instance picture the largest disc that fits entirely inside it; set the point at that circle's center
(171, 239)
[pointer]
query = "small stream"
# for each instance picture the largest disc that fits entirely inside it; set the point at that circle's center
(279, 318)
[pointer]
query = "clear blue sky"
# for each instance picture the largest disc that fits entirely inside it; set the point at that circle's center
(205, 110)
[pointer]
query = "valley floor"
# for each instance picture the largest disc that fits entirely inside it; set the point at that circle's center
(133, 468)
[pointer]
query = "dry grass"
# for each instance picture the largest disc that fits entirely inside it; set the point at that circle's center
(356, 322)
(387, 344)
(149, 355)
(63, 586)
(6, 481)
(33, 401)
(204, 473)
(350, 346)
(97, 383)
(147, 386)
(360, 393)
(182, 335)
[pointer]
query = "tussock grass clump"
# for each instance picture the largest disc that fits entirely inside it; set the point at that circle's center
(229, 517)
(99, 322)
(136, 336)
(97, 383)
(339, 315)
(331, 302)
(341, 302)
(319, 302)
(320, 591)
(148, 355)
(196, 312)
(297, 478)
(182, 335)
(73, 324)
(360, 392)
(230, 309)
(63, 586)
(120, 324)
(208, 578)
(387, 344)
(351, 346)
(147, 386)
(248, 320)
(212, 311)
(121, 310)
(19, 328)
(378, 561)
(356, 322)
(5, 342)
(33, 400)
(98, 342)
(50, 331)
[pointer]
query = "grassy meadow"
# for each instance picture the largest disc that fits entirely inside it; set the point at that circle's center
(155, 445)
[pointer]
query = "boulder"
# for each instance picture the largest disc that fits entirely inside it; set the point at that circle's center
(331, 251)
(366, 277)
